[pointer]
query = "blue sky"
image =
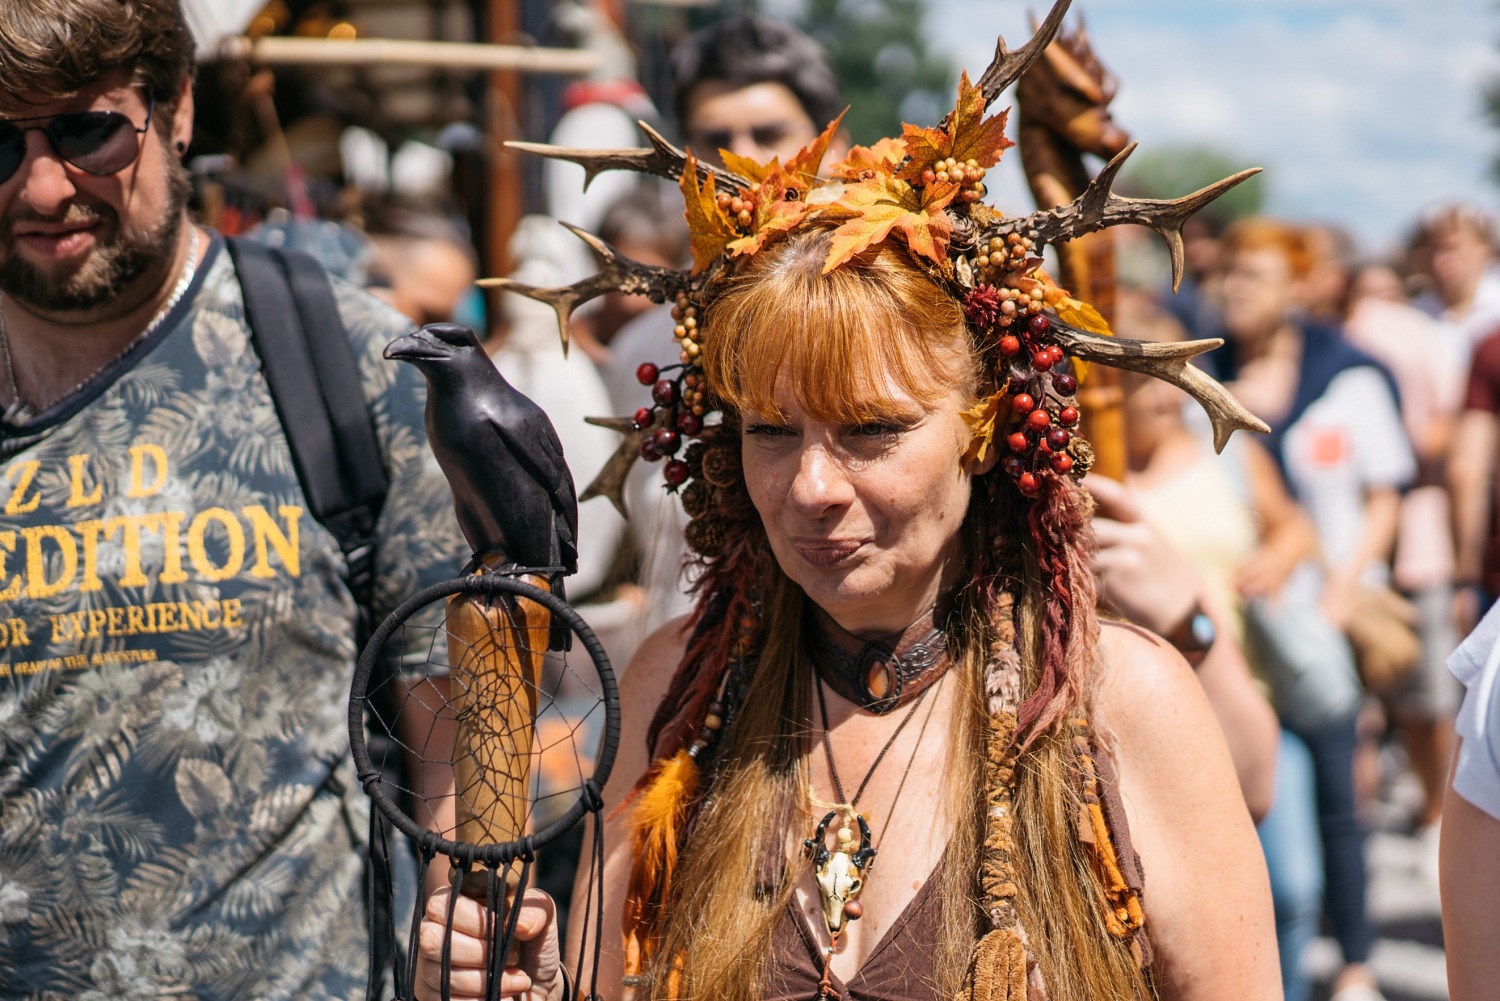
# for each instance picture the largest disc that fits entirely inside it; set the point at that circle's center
(1363, 112)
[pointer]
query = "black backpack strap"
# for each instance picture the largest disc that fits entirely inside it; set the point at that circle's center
(314, 381)
(315, 384)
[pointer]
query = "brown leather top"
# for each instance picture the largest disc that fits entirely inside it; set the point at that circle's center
(899, 969)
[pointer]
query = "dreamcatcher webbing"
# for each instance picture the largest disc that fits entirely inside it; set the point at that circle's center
(493, 872)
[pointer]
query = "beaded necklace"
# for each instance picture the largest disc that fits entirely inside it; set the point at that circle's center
(19, 412)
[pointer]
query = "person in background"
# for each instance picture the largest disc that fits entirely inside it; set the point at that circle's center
(1457, 245)
(759, 88)
(179, 810)
(423, 264)
(1377, 319)
(1454, 250)
(1336, 434)
(1471, 821)
(1230, 520)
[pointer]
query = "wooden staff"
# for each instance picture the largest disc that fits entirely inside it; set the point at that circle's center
(1063, 101)
(496, 646)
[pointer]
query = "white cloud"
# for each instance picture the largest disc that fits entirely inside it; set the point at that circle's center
(1362, 111)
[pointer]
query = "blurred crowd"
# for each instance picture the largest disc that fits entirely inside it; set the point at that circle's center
(1338, 560)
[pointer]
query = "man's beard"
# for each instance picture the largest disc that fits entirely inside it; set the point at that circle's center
(132, 253)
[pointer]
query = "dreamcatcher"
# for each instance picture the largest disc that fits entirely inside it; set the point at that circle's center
(514, 696)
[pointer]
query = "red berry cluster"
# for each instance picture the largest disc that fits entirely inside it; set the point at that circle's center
(678, 402)
(1043, 407)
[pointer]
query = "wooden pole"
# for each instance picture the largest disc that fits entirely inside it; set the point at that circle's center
(274, 50)
(496, 646)
(506, 203)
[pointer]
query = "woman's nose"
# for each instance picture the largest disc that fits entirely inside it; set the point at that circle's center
(821, 482)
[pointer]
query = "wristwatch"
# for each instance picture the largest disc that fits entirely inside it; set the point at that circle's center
(1194, 635)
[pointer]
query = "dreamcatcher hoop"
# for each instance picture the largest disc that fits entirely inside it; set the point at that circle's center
(470, 858)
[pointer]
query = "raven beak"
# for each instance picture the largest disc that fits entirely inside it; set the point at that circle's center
(416, 346)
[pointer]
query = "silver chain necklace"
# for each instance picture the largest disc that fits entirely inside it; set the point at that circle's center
(19, 412)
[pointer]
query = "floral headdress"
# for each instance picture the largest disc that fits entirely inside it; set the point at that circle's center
(925, 191)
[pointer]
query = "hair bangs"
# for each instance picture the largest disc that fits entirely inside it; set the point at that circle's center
(844, 344)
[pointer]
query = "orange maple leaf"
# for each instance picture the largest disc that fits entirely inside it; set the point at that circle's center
(747, 168)
(964, 135)
(802, 169)
(710, 228)
(1080, 314)
(981, 419)
(864, 162)
(875, 207)
(774, 211)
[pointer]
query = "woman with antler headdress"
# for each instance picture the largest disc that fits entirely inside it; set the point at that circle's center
(894, 754)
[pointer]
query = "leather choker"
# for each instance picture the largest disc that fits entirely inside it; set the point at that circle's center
(878, 676)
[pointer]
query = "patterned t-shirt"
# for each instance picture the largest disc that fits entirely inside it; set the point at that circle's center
(178, 811)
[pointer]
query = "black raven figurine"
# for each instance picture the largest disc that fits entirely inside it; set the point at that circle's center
(511, 487)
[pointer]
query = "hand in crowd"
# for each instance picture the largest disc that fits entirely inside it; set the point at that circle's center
(533, 970)
(1139, 570)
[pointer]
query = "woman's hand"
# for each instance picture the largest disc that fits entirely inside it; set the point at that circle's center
(533, 971)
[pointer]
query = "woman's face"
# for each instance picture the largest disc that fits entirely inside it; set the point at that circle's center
(865, 518)
(1258, 291)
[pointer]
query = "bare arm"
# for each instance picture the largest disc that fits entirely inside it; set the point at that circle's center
(1469, 872)
(429, 738)
(1287, 536)
(1382, 513)
(1245, 716)
(1208, 897)
(641, 689)
(1471, 471)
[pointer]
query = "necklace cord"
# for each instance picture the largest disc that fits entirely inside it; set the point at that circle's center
(833, 771)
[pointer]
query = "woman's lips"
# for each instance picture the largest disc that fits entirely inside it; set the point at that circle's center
(826, 553)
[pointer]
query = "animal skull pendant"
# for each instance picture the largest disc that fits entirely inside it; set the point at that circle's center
(840, 873)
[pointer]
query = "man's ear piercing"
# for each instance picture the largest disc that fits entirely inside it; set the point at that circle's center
(181, 146)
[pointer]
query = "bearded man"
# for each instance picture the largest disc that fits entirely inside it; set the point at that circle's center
(178, 810)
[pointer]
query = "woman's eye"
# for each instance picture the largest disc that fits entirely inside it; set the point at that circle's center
(767, 430)
(878, 429)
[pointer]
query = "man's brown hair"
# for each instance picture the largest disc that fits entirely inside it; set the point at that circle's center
(55, 48)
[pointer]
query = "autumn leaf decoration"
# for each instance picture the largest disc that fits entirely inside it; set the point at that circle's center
(982, 419)
(739, 222)
(964, 135)
(708, 223)
(912, 192)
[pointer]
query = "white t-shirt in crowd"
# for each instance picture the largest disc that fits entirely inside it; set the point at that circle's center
(1476, 663)
(1348, 441)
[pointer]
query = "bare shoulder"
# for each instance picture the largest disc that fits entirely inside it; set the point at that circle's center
(1151, 709)
(1209, 901)
(646, 678)
(1144, 684)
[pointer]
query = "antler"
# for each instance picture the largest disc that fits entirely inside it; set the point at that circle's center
(611, 479)
(1099, 207)
(617, 273)
(660, 158)
(1168, 361)
(1007, 66)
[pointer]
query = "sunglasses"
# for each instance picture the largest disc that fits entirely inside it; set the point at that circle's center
(96, 142)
